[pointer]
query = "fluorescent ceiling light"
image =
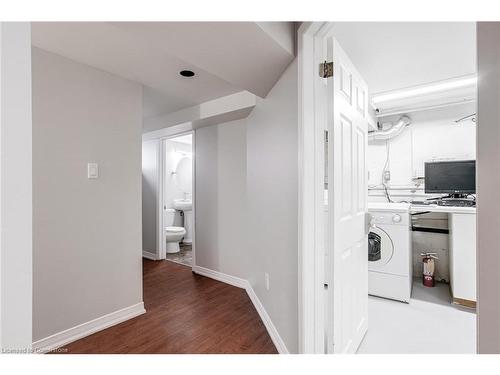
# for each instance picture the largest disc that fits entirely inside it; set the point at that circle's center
(425, 89)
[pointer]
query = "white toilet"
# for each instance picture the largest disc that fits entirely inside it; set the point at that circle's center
(173, 234)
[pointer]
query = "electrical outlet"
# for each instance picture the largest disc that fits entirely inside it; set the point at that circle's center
(266, 277)
(387, 176)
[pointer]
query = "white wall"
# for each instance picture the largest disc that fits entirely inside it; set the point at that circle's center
(246, 202)
(150, 184)
(15, 187)
(488, 181)
(179, 177)
(433, 135)
(221, 199)
(86, 233)
(272, 199)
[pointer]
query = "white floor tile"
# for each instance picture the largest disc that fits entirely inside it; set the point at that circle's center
(420, 326)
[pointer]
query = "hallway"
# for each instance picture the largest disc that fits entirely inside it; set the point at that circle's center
(185, 313)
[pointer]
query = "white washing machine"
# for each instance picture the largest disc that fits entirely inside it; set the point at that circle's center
(389, 251)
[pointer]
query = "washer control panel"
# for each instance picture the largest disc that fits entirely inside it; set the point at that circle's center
(397, 218)
(388, 218)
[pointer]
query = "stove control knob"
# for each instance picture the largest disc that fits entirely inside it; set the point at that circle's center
(396, 218)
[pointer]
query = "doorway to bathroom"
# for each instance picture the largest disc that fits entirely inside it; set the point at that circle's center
(176, 199)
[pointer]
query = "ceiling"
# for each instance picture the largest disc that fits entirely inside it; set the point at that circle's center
(249, 55)
(394, 55)
(156, 102)
(187, 139)
(227, 57)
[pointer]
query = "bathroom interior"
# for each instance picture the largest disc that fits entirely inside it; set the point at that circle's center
(178, 199)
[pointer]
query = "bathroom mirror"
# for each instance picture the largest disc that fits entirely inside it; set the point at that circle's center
(184, 173)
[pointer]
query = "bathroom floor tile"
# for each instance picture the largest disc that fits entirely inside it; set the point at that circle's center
(185, 256)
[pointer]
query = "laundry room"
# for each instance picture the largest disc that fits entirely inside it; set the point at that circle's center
(420, 157)
(421, 199)
(441, 138)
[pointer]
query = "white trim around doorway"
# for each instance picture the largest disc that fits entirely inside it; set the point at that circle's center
(162, 136)
(311, 230)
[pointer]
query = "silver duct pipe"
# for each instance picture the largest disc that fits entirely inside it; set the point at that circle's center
(393, 131)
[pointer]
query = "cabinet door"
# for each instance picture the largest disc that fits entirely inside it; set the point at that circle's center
(463, 256)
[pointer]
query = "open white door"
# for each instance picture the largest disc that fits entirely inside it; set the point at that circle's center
(347, 271)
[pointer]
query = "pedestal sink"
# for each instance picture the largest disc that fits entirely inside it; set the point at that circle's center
(186, 206)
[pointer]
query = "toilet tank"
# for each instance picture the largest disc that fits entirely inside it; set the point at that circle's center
(169, 217)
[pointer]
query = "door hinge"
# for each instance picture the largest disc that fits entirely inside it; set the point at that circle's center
(326, 69)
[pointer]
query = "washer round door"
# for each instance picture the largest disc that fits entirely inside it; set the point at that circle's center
(380, 248)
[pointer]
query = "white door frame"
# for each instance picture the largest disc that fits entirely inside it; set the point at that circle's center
(161, 245)
(311, 246)
(16, 177)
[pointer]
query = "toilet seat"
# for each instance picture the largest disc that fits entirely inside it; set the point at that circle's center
(174, 229)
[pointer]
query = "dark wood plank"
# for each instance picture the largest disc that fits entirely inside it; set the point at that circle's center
(185, 313)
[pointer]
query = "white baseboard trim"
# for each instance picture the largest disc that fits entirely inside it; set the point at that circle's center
(266, 319)
(245, 284)
(219, 276)
(82, 330)
(148, 255)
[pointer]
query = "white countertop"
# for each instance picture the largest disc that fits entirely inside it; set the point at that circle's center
(412, 208)
(388, 206)
(444, 209)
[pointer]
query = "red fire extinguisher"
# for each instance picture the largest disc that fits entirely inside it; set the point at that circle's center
(429, 266)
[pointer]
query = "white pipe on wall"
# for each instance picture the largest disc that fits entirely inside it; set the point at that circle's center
(393, 131)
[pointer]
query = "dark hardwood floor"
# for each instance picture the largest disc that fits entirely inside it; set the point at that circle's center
(185, 313)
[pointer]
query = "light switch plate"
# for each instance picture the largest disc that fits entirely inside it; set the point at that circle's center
(92, 170)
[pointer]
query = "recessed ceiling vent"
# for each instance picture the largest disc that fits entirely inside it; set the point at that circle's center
(186, 73)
